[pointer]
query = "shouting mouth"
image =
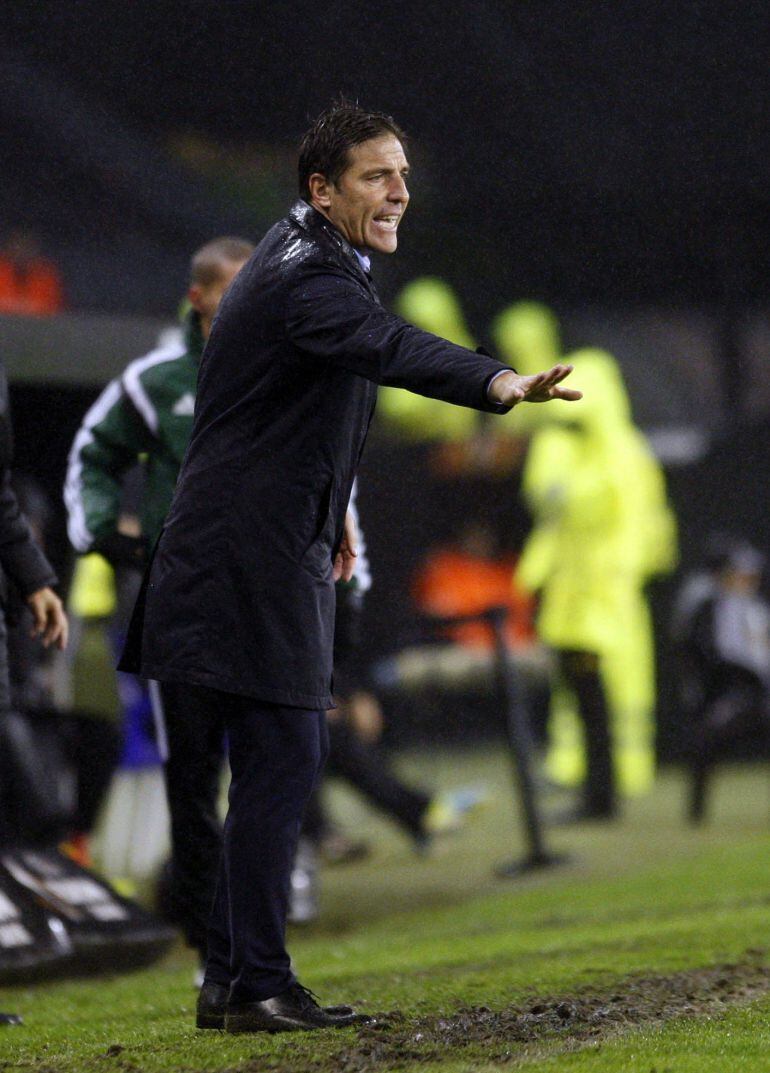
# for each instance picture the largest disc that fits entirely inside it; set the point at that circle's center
(388, 223)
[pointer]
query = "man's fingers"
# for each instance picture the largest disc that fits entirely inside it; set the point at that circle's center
(344, 563)
(51, 630)
(557, 374)
(49, 619)
(56, 631)
(63, 634)
(570, 394)
(544, 386)
(348, 556)
(560, 372)
(526, 386)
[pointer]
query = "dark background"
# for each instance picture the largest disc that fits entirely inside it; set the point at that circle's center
(601, 152)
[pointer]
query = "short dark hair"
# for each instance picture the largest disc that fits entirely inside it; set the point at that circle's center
(207, 262)
(324, 147)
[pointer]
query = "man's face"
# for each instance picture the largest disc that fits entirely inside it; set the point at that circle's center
(205, 298)
(370, 197)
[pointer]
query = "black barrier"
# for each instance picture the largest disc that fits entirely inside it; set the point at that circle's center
(58, 918)
(516, 727)
(34, 943)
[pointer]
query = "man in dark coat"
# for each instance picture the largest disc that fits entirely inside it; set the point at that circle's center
(25, 575)
(238, 604)
(24, 570)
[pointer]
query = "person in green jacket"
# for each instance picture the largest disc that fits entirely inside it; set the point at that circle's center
(145, 416)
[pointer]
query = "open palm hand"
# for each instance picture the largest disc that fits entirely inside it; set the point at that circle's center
(511, 389)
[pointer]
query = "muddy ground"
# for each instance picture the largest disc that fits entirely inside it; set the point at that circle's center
(518, 1034)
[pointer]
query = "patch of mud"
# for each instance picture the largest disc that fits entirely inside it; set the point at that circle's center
(512, 1035)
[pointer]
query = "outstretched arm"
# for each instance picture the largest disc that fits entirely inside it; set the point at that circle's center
(329, 316)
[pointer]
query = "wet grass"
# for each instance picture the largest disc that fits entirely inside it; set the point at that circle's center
(647, 911)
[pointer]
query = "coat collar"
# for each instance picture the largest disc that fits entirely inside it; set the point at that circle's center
(316, 224)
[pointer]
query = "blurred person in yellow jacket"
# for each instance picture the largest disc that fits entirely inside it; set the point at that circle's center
(603, 529)
(524, 334)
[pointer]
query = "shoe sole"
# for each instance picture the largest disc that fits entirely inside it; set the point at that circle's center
(238, 1026)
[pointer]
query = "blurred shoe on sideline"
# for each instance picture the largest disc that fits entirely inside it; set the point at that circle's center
(447, 812)
(338, 848)
(303, 896)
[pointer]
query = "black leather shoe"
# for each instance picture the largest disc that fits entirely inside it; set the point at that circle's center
(212, 1006)
(294, 1010)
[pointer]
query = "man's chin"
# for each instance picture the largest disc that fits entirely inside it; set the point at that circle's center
(385, 245)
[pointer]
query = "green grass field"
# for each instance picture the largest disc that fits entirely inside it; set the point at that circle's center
(649, 950)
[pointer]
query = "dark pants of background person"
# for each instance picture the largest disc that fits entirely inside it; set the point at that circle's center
(581, 673)
(276, 755)
(362, 766)
(736, 714)
(365, 769)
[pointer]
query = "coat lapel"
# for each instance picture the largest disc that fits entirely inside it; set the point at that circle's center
(319, 228)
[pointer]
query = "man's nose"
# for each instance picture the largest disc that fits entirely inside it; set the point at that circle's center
(398, 190)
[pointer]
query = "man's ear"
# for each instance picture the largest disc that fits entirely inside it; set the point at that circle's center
(319, 187)
(194, 296)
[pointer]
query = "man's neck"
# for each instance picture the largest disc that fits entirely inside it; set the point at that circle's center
(362, 255)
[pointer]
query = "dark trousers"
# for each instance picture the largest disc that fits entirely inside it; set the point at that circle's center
(194, 730)
(582, 674)
(276, 756)
(366, 770)
(736, 715)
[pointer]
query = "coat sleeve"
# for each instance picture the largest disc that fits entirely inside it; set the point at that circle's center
(20, 557)
(329, 317)
(106, 446)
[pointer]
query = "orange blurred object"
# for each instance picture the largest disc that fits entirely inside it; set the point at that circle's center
(453, 582)
(30, 283)
(34, 291)
(78, 849)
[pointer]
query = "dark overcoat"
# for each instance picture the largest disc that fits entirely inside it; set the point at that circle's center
(240, 595)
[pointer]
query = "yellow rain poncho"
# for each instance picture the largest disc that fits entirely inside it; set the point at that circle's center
(602, 529)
